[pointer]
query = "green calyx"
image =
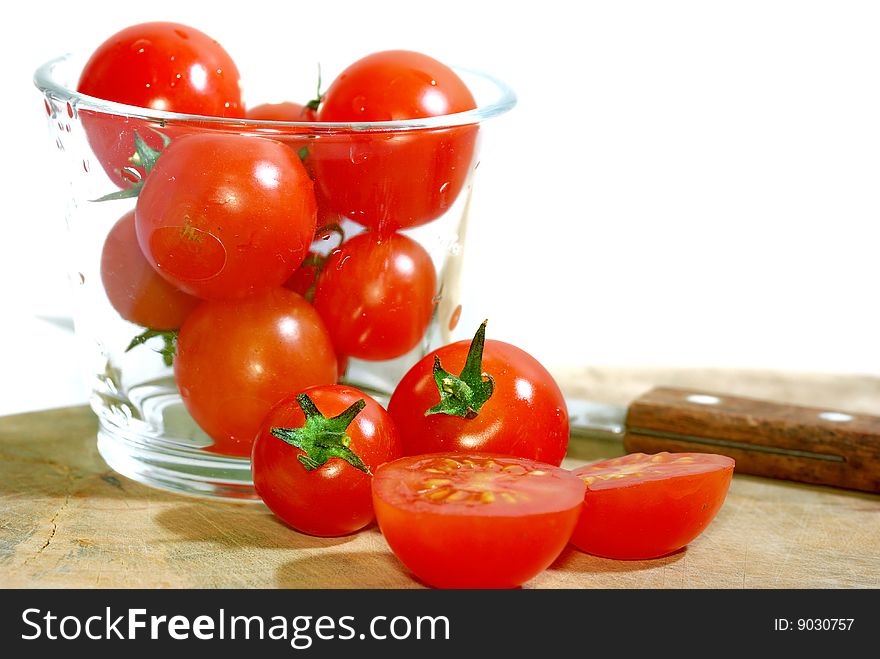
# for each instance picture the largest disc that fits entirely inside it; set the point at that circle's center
(465, 394)
(169, 339)
(144, 156)
(321, 438)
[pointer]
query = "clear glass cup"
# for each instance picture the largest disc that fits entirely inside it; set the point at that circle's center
(379, 181)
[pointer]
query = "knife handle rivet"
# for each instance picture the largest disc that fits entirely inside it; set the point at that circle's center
(838, 417)
(703, 399)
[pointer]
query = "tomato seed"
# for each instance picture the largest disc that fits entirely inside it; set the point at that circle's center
(438, 495)
(437, 482)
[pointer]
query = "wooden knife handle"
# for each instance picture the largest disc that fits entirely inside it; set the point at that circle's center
(806, 444)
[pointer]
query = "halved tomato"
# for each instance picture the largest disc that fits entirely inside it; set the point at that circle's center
(644, 506)
(475, 520)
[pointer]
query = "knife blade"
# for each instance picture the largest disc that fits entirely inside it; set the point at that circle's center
(777, 440)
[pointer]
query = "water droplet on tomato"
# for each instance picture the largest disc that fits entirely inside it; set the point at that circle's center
(59, 144)
(357, 154)
(86, 167)
(48, 106)
(82, 278)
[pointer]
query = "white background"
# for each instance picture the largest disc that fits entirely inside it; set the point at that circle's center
(681, 183)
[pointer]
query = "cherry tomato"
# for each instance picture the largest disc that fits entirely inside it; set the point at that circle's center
(223, 216)
(507, 404)
(284, 111)
(161, 66)
(237, 358)
(389, 182)
(313, 458)
(643, 506)
(134, 288)
(376, 295)
(468, 520)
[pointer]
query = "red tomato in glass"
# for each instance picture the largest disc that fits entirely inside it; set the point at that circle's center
(319, 483)
(284, 111)
(237, 358)
(161, 66)
(376, 295)
(524, 413)
(134, 288)
(224, 216)
(643, 506)
(468, 520)
(389, 182)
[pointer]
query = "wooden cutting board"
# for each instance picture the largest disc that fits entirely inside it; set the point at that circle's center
(66, 520)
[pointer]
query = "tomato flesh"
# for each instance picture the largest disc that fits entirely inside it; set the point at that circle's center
(644, 506)
(469, 520)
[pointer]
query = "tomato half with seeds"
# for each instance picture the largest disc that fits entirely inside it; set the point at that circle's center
(475, 520)
(134, 288)
(643, 506)
(237, 358)
(314, 456)
(224, 216)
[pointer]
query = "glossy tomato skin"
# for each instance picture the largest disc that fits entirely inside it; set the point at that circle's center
(376, 295)
(283, 111)
(237, 358)
(388, 182)
(526, 415)
(485, 532)
(645, 506)
(134, 288)
(161, 66)
(334, 499)
(224, 216)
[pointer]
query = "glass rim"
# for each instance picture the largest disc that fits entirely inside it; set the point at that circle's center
(505, 99)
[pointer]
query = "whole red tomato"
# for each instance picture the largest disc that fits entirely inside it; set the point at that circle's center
(392, 181)
(160, 66)
(504, 401)
(237, 358)
(376, 295)
(469, 520)
(134, 288)
(313, 458)
(643, 506)
(223, 216)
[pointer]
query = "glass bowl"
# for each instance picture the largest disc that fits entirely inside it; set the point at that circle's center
(391, 197)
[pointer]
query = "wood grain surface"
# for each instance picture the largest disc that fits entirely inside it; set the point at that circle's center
(66, 520)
